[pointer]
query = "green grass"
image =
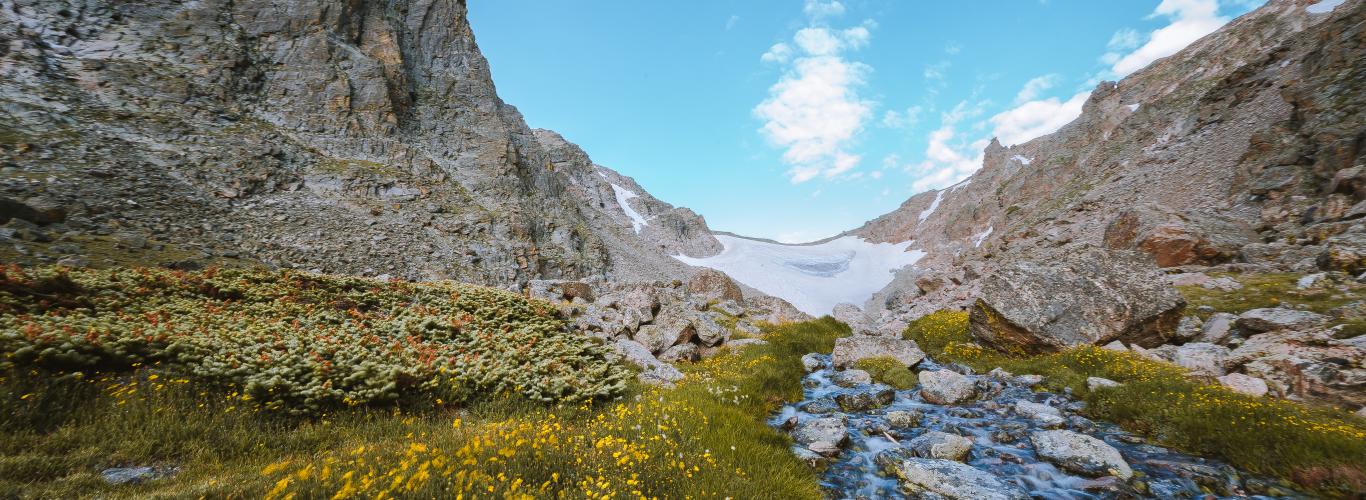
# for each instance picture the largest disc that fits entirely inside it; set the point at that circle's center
(1320, 449)
(707, 437)
(1269, 290)
(888, 370)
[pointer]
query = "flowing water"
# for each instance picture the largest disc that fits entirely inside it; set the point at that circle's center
(1001, 445)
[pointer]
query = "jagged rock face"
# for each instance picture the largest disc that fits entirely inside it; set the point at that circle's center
(356, 137)
(1246, 146)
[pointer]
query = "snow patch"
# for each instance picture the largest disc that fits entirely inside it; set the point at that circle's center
(1023, 161)
(812, 277)
(1133, 107)
(1323, 6)
(938, 197)
(978, 238)
(623, 196)
(961, 184)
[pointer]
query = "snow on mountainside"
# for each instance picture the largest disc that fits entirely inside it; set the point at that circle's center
(812, 277)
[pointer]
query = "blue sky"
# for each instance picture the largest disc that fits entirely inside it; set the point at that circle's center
(799, 119)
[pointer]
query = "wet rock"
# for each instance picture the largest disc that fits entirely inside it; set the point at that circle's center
(849, 350)
(821, 407)
(1091, 297)
(1095, 383)
(941, 445)
(1028, 380)
(865, 400)
(1279, 318)
(1047, 416)
(653, 371)
(851, 378)
(811, 362)
(903, 419)
(946, 387)
(948, 479)
(824, 429)
(715, 285)
(1080, 453)
(1203, 358)
(824, 448)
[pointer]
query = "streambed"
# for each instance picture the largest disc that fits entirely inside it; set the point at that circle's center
(1000, 436)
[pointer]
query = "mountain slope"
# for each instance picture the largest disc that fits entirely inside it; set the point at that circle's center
(361, 137)
(1246, 147)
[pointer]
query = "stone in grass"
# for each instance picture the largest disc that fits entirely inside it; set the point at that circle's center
(136, 475)
(946, 387)
(948, 479)
(849, 350)
(1244, 384)
(1095, 383)
(1080, 453)
(941, 445)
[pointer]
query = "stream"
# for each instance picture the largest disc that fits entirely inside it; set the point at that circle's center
(1000, 438)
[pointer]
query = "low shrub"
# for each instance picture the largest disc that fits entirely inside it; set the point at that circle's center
(1322, 449)
(298, 342)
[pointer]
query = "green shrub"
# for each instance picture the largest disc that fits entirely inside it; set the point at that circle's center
(1322, 449)
(889, 371)
(299, 342)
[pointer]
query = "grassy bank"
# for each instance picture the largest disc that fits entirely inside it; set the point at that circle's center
(65, 423)
(1317, 448)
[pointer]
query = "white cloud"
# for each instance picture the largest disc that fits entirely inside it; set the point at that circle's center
(817, 9)
(1124, 39)
(953, 48)
(779, 53)
(814, 109)
(901, 119)
(730, 23)
(1034, 86)
(1190, 20)
(950, 158)
(937, 71)
(1036, 118)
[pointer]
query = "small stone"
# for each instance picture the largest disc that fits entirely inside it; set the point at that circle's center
(811, 362)
(1279, 318)
(1097, 383)
(941, 445)
(946, 387)
(1116, 346)
(902, 419)
(851, 378)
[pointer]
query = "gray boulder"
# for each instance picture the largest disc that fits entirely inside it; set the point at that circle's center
(903, 419)
(1080, 453)
(665, 333)
(708, 331)
(1090, 297)
(941, 445)
(1096, 383)
(681, 352)
(811, 362)
(711, 284)
(1218, 328)
(851, 315)
(851, 378)
(653, 371)
(1042, 413)
(1279, 318)
(849, 350)
(1245, 384)
(824, 429)
(1203, 358)
(865, 400)
(946, 387)
(948, 479)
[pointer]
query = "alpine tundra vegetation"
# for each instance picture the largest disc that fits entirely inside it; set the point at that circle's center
(303, 249)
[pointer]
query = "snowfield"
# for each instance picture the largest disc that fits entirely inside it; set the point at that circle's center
(812, 277)
(623, 198)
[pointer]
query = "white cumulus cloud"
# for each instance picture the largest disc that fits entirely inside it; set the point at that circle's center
(1035, 118)
(814, 110)
(1190, 20)
(949, 157)
(1034, 86)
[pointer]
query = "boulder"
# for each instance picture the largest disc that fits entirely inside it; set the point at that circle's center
(1279, 318)
(1044, 414)
(711, 284)
(739, 343)
(1188, 329)
(1217, 329)
(665, 333)
(941, 445)
(1080, 453)
(851, 378)
(1310, 366)
(824, 429)
(946, 387)
(729, 308)
(1244, 384)
(653, 371)
(708, 331)
(681, 352)
(1178, 238)
(811, 362)
(1203, 358)
(865, 400)
(849, 350)
(851, 315)
(773, 310)
(576, 290)
(1091, 297)
(1095, 383)
(903, 419)
(948, 479)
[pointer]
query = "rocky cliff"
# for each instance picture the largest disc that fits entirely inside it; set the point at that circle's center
(1246, 149)
(360, 137)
